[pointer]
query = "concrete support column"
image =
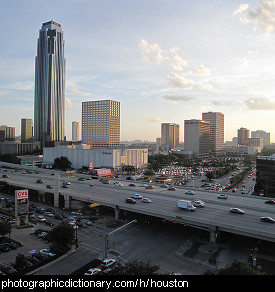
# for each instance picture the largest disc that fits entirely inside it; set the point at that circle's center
(56, 200)
(67, 199)
(116, 213)
(212, 237)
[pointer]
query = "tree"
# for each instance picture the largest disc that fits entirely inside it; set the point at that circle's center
(62, 237)
(4, 228)
(62, 163)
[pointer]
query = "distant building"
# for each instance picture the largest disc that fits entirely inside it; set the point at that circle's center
(216, 121)
(261, 134)
(9, 132)
(169, 135)
(101, 123)
(26, 130)
(75, 131)
(197, 137)
(243, 136)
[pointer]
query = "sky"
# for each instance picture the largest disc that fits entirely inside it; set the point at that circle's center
(164, 60)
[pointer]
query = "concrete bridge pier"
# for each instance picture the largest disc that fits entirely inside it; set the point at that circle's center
(56, 200)
(116, 213)
(212, 237)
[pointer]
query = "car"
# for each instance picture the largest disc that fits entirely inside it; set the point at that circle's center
(41, 218)
(143, 185)
(66, 182)
(65, 186)
(82, 179)
(46, 251)
(130, 201)
(234, 190)
(270, 202)
(268, 219)
(48, 222)
(190, 193)
(237, 211)
(132, 185)
(4, 247)
(137, 196)
(49, 186)
(39, 181)
(198, 203)
(171, 189)
(93, 271)
(107, 263)
(164, 186)
(146, 200)
(49, 214)
(149, 187)
(242, 192)
(222, 196)
(5, 176)
(118, 184)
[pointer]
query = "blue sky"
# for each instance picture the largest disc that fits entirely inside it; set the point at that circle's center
(164, 60)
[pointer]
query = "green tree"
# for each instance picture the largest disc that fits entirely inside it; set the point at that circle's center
(62, 163)
(4, 228)
(134, 268)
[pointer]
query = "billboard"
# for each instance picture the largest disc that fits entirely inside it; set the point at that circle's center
(21, 207)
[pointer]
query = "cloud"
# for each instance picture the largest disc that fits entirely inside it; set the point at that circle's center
(153, 119)
(260, 103)
(264, 16)
(179, 81)
(175, 98)
(68, 104)
(152, 53)
(75, 91)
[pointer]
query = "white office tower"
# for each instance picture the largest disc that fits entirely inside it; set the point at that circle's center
(75, 131)
(101, 123)
(49, 96)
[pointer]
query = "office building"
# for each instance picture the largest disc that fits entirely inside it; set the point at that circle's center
(169, 135)
(216, 120)
(261, 134)
(49, 95)
(9, 132)
(75, 131)
(197, 137)
(26, 130)
(101, 123)
(243, 136)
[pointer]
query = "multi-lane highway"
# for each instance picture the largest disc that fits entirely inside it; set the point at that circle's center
(214, 216)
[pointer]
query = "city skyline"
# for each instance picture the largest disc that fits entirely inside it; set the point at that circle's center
(165, 61)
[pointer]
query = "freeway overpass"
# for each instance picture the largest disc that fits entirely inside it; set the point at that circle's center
(215, 216)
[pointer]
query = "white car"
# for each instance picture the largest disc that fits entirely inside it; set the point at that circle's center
(198, 203)
(47, 252)
(108, 263)
(94, 271)
(190, 193)
(41, 218)
(146, 200)
(137, 196)
(66, 183)
(118, 184)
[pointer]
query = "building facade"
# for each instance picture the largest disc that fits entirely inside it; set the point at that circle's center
(197, 137)
(101, 123)
(261, 134)
(75, 131)
(169, 135)
(49, 95)
(9, 132)
(243, 136)
(26, 130)
(216, 121)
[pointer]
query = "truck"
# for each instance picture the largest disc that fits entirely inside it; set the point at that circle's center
(186, 205)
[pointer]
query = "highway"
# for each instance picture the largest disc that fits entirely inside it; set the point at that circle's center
(215, 215)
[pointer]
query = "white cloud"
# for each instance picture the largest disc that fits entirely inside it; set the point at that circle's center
(179, 81)
(68, 104)
(152, 53)
(175, 98)
(153, 119)
(260, 103)
(264, 16)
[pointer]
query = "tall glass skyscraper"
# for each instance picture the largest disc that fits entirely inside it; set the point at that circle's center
(49, 100)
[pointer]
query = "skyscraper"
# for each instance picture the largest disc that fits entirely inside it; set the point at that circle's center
(216, 120)
(26, 130)
(101, 123)
(75, 131)
(169, 135)
(49, 96)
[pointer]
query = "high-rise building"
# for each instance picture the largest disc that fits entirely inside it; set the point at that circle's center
(197, 137)
(26, 130)
(243, 136)
(169, 135)
(75, 131)
(9, 132)
(216, 120)
(49, 96)
(101, 123)
(261, 134)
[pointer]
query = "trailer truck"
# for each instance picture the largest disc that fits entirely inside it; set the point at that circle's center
(186, 205)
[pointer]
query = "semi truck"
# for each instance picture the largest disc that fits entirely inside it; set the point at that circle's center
(186, 205)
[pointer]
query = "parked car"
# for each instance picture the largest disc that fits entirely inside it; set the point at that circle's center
(130, 201)
(108, 263)
(93, 271)
(237, 211)
(47, 252)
